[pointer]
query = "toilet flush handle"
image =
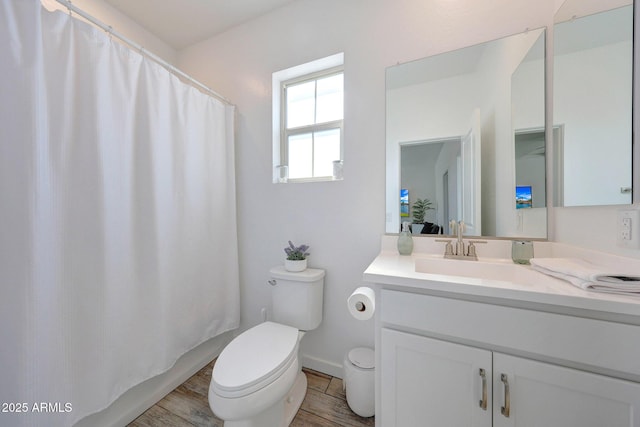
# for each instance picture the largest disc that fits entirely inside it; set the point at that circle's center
(272, 282)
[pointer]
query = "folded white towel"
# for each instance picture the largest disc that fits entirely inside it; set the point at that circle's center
(588, 276)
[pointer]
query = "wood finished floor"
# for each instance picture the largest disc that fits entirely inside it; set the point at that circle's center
(324, 405)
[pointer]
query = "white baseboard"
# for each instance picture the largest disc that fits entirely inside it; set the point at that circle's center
(320, 365)
(138, 399)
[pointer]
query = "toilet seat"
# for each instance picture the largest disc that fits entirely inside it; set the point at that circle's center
(254, 359)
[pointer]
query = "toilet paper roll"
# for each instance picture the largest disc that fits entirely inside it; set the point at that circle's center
(362, 303)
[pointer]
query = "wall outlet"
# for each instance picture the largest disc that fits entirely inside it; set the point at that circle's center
(628, 228)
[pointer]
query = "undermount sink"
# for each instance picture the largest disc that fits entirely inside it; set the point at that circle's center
(499, 270)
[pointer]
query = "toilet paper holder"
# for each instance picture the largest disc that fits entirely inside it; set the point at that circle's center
(362, 303)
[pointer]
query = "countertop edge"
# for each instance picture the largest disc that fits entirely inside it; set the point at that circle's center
(399, 271)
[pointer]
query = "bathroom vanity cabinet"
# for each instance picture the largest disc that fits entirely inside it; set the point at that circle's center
(452, 360)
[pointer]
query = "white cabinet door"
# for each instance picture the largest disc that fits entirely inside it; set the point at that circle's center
(547, 395)
(427, 382)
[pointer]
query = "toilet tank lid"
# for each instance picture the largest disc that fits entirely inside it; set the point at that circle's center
(308, 275)
(362, 357)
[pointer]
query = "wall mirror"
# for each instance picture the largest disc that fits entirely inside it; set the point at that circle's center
(592, 103)
(466, 130)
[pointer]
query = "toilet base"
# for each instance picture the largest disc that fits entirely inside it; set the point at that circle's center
(294, 398)
(283, 412)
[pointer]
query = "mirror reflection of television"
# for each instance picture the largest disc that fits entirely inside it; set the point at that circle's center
(404, 202)
(523, 196)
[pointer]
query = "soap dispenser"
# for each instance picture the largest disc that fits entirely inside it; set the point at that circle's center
(405, 241)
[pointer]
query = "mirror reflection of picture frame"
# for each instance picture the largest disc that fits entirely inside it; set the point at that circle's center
(524, 197)
(404, 202)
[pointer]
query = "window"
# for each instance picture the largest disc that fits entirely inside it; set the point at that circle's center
(310, 122)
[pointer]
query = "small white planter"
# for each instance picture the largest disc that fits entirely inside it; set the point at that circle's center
(295, 265)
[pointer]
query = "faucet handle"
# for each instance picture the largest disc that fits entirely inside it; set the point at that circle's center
(448, 249)
(471, 251)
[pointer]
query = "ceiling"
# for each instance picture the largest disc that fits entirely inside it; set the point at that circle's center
(181, 23)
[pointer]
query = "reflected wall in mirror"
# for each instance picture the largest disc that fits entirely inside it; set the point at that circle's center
(464, 128)
(592, 103)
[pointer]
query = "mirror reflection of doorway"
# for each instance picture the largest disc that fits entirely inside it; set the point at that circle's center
(423, 165)
(530, 150)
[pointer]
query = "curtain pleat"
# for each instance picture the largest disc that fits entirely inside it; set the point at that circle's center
(118, 242)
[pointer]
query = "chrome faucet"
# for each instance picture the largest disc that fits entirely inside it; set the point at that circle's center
(460, 252)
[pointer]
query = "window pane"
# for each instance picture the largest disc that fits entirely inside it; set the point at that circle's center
(301, 104)
(326, 149)
(330, 99)
(300, 156)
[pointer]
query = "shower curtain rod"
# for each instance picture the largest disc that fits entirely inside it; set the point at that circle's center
(107, 28)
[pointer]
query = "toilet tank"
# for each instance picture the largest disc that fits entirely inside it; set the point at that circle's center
(297, 297)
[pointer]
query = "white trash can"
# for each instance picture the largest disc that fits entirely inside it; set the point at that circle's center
(359, 380)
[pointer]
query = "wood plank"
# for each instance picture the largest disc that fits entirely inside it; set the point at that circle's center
(191, 406)
(336, 389)
(317, 380)
(307, 419)
(333, 409)
(157, 416)
(199, 383)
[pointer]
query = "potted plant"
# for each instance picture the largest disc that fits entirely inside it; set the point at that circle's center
(296, 257)
(420, 208)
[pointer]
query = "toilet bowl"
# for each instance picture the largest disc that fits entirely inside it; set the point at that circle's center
(254, 372)
(257, 379)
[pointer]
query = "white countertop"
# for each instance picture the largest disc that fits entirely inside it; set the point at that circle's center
(390, 268)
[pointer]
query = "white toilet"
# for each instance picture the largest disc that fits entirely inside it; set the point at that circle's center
(257, 379)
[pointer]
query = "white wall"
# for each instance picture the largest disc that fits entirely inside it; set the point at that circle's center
(342, 221)
(413, 115)
(594, 136)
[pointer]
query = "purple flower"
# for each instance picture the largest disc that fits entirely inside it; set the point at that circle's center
(296, 253)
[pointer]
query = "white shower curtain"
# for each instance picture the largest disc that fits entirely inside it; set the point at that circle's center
(118, 246)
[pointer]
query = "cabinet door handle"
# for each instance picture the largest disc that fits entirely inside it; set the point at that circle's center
(506, 409)
(483, 402)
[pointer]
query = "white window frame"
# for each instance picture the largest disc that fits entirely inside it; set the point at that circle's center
(309, 71)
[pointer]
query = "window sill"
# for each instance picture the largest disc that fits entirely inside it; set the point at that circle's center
(306, 180)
